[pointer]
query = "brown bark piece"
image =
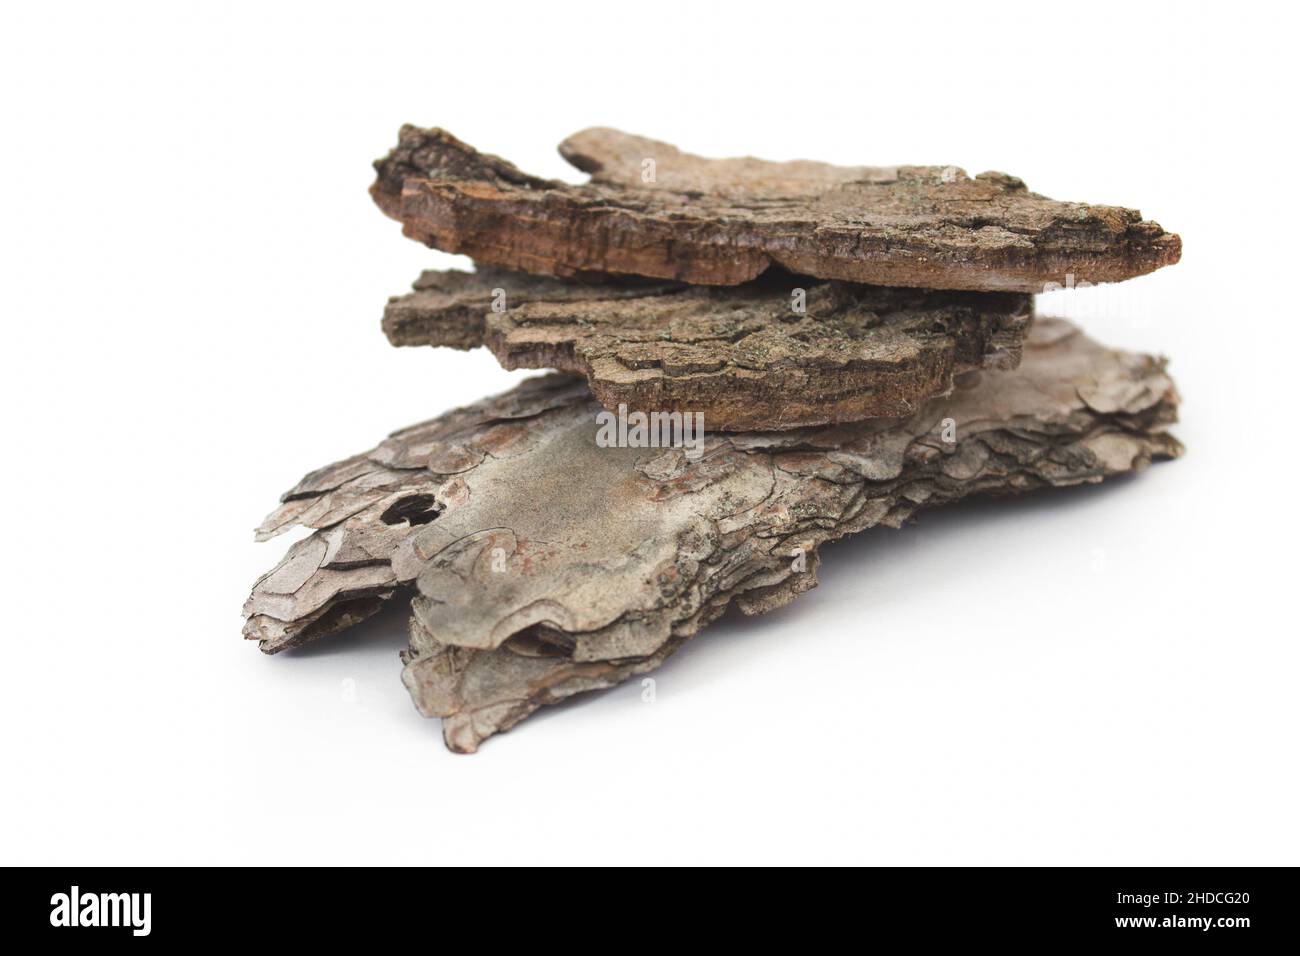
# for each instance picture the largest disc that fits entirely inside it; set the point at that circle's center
(545, 565)
(724, 222)
(743, 357)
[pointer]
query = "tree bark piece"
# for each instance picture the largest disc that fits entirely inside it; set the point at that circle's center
(365, 506)
(742, 357)
(544, 565)
(724, 222)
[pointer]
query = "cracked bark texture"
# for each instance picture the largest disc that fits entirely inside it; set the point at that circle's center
(741, 356)
(724, 222)
(543, 566)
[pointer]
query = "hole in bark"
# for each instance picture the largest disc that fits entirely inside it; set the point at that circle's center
(540, 641)
(415, 509)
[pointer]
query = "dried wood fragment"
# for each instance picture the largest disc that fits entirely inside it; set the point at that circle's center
(772, 354)
(544, 565)
(724, 222)
(364, 507)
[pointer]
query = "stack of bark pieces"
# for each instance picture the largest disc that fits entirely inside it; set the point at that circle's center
(858, 341)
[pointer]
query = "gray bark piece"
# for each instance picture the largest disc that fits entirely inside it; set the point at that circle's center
(544, 565)
(744, 357)
(724, 222)
(365, 506)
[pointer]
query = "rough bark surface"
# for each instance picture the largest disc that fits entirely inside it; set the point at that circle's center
(544, 565)
(724, 222)
(742, 357)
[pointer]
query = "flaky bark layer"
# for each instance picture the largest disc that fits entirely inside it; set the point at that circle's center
(724, 222)
(544, 565)
(742, 357)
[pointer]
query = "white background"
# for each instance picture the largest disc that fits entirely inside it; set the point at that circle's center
(193, 279)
